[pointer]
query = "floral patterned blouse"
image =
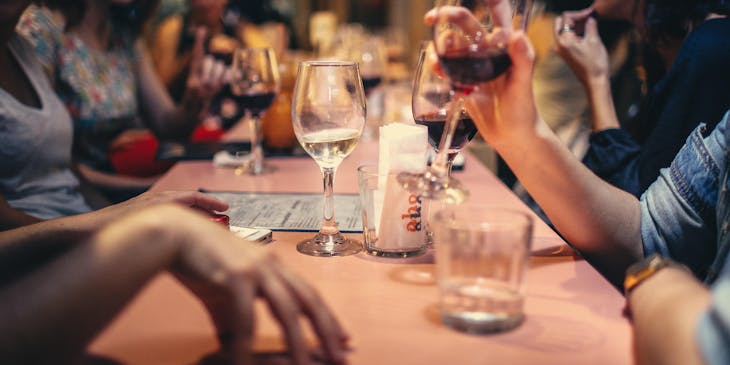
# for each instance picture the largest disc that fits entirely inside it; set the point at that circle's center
(98, 87)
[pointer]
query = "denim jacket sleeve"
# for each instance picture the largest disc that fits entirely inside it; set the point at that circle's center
(613, 155)
(678, 210)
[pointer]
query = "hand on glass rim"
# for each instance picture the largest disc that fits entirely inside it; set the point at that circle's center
(504, 108)
(467, 36)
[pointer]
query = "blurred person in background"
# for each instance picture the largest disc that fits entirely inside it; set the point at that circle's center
(561, 99)
(173, 40)
(661, 246)
(685, 51)
(98, 65)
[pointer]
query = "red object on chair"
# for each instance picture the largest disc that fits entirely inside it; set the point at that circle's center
(137, 157)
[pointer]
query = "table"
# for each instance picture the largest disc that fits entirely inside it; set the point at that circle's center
(389, 306)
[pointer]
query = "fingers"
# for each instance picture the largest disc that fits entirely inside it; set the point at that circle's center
(205, 202)
(457, 15)
(286, 309)
(331, 333)
(242, 345)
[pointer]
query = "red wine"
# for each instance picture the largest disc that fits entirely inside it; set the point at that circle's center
(465, 72)
(465, 129)
(369, 83)
(255, 103)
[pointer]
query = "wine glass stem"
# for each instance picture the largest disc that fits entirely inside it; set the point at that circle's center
(329, 226)
(442, 163)
(257, 137)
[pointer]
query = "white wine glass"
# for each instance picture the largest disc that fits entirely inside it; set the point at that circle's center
(254, 84)
(328, 115)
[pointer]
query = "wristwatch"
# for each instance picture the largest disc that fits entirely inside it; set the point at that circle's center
(644, 269)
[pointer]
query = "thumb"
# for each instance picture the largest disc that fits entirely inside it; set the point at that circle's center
(522, 55)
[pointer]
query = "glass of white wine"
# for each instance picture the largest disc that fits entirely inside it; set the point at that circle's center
(328, 114)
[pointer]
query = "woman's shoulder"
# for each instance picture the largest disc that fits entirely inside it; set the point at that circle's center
(41, 22)
(712, 37)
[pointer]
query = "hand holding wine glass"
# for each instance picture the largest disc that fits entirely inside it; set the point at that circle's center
(516, 113)
(328, 114)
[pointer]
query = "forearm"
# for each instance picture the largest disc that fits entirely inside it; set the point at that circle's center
(169, 121)
(114, 182)
(603, 111)
(598, 219)
(13, 218)
(666, 309)
(50, 315)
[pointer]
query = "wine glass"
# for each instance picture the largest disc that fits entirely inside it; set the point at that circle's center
(431, 102)
(254, 84)
(470, 54)
(328, 114)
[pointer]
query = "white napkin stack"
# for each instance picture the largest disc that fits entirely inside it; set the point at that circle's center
(403, 148)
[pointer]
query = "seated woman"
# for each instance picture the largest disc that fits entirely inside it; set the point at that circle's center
(101, 70)
(690, 39)
(36, 181)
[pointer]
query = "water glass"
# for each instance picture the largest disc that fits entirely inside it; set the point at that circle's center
(392, 218)
(481, 259)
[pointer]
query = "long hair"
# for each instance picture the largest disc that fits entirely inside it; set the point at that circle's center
(130, 18)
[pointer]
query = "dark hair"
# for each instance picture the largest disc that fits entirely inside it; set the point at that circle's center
(125, 18)
(674, 19)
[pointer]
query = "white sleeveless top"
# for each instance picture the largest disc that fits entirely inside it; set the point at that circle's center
(35, 147)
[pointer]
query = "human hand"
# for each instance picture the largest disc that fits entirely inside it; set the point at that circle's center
(191, 199)
(227, 274)
(578, 43)
(503, 107)
(207, 75)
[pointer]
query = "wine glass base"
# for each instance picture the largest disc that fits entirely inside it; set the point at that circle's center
(432, 186)
(329, 245)
(250, 169)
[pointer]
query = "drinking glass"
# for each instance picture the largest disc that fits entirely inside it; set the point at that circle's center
(470, 56)
(482, 255)
(328, 114)
(254, 84)
(431, 102)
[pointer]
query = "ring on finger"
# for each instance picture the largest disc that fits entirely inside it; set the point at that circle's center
(566, 28)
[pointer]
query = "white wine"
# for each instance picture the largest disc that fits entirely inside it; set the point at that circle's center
(329, 147)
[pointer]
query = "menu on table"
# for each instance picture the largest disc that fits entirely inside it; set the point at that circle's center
(299, 212)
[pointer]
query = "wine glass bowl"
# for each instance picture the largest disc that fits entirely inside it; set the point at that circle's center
(328, 115)
(431, 101)
(254, 84)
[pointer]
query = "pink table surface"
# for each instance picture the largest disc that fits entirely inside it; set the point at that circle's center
(388, 306)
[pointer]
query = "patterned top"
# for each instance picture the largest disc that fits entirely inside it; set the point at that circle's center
(98, 87)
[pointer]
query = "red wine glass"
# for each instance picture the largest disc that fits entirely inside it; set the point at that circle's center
(471, 53)
(254, 84)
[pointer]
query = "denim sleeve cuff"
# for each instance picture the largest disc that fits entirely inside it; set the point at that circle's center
(677, 211)
(713, 330)
(609, 150)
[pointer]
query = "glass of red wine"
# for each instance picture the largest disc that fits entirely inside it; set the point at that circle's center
(254, 84)
(472, 50)
(431, 102)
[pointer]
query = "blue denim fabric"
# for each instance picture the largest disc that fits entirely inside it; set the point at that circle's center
(679, 215)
